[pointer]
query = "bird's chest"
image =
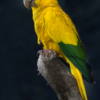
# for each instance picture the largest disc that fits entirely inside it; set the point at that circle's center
(39, 26)
(42, 35)
(41, 31)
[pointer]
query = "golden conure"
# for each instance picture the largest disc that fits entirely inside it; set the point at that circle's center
(57, 32)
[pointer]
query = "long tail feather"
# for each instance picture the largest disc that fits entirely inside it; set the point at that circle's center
(78, 76)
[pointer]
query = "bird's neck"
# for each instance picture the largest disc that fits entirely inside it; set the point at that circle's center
(46, 2)
(42, 5)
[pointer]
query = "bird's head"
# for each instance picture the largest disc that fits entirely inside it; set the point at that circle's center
(28, 3)
(37, 3)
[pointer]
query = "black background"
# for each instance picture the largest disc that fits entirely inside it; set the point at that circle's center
(18, 47)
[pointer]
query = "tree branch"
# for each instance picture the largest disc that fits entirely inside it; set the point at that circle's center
(61, 81)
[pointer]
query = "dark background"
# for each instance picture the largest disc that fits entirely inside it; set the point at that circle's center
(18, 47)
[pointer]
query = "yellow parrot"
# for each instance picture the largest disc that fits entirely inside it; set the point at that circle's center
(55, 29)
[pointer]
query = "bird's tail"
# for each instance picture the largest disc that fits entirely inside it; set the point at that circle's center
(78, 76)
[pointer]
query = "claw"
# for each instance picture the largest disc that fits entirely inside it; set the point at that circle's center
(38, 53)
(28, 3)
(55, 54)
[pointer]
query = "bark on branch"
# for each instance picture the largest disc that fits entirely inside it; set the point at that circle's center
(61, 81)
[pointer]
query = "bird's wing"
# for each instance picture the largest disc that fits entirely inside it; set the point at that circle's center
(61, 29)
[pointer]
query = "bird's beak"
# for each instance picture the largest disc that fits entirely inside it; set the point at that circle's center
(28, 3)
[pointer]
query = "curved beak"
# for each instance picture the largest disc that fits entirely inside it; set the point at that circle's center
(28, 3)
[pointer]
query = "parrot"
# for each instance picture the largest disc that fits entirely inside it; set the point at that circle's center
(56, 31)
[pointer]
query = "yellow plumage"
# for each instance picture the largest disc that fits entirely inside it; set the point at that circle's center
(53, 25)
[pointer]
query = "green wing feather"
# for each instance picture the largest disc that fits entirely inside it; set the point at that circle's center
(77, 55)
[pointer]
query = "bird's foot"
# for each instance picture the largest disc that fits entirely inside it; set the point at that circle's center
(47, 50)
(28, 3)
(55, 54)
(38, 53)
